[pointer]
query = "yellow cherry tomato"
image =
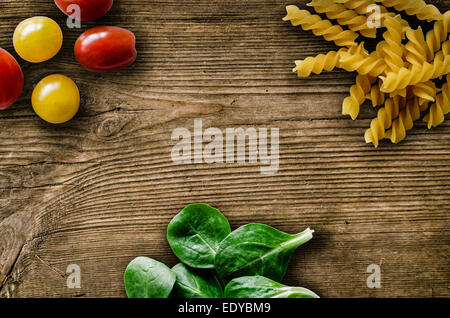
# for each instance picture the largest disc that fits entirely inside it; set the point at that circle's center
(37, 39)
(56, 99)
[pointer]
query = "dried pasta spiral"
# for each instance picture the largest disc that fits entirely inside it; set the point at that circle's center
(344, 16)
(363, 7)
(376, 96)
(409, 114)
(358, 92)
(438, 110)
(398, 75)
(405, 121)
(418, 8)
(401, 92)
(324, 62)
(365, 65)
(360, 6)
(418, 73)
(320, 27)
(393, 39)
(416, 48)
(398, 131)
(384, 119)
(317, 64)
(425, 91)
(438, 34)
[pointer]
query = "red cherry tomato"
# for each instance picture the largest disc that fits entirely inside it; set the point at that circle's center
(11, 79)
(106, 48)
(89, 9)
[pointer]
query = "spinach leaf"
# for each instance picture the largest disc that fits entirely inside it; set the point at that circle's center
(257, 249)
(262, 287)
(193, 283)
(195, 234)
(147, 278)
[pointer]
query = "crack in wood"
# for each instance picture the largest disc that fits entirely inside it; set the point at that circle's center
(52, 267)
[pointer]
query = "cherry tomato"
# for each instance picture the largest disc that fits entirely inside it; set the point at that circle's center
(56, 99)
(37, 39)
(106, 48)
(11, 79)
(89, 9)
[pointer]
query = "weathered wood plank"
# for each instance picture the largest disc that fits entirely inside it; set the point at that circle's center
(100, 190)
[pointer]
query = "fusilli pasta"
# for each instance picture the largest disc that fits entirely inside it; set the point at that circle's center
(344, 16)
(358, 93)
(324, 62)
(405, 121)
(418, 8)
(436, 113)
(392, 48)
(416, 48)
(376, 96)
(399, 92)
(370, 65)
(320, 27)
(438, 34)
(360, 6)
(318, 64)
(363, 7)
(398, 75)
(425, 91)
(384, 119)
(418, 73)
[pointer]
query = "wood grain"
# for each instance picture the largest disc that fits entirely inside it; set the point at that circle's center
(100, 190)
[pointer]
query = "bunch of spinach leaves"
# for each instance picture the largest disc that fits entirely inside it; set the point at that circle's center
(250, 261)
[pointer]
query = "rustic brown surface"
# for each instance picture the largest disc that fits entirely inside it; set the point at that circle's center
(101, 189)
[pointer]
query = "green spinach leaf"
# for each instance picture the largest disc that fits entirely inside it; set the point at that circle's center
(262, 287)
(195, 234)
(194, 283)
(147, 278)
(257, 249)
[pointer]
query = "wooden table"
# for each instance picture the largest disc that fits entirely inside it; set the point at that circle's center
(101, 189)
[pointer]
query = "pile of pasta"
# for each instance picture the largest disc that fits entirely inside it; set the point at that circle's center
(401, 76)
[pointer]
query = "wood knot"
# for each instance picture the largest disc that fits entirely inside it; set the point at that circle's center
(109, 127)
(14, 230)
